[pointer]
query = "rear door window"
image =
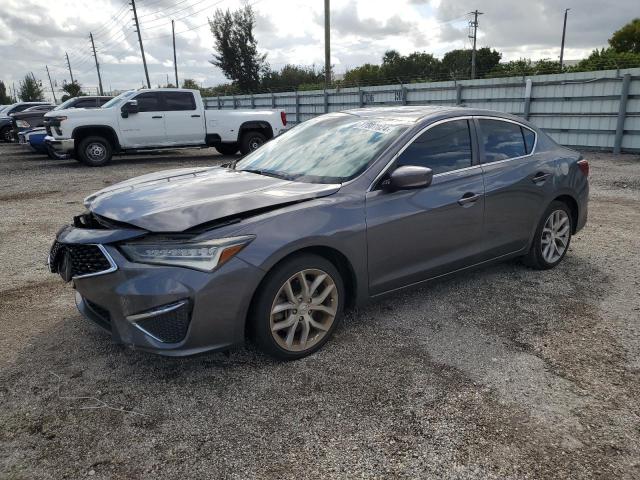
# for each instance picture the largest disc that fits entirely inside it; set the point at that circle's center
(178, 101)
(442, 148)
(501, 140)
(529, 139)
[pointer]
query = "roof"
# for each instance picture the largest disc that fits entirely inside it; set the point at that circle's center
(415, 113)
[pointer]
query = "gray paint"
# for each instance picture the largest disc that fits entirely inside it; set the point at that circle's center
(389, 240)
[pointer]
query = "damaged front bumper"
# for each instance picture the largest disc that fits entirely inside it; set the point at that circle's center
(168, 310)
(60, 145)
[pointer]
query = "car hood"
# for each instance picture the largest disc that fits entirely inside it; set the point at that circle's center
(177, 200)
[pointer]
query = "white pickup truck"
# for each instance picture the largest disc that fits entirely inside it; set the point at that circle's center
(157, 119)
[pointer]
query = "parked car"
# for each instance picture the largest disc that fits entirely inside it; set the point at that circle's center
(154, 119)
(29, 118)
(34, 138)
(5, 118)
(342, 209)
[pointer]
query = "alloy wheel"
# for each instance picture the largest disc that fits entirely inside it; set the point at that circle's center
(304, 310)
(555, 236)
(96, 151)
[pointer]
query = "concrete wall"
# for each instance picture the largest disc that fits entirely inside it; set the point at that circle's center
(599, 110)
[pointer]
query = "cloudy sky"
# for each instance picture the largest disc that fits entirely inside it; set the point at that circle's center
(37, 33)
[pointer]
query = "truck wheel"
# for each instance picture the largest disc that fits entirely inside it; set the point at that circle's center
(54, 155)
(5, 134)
(227, 148)
(251, 141)
(94, 151)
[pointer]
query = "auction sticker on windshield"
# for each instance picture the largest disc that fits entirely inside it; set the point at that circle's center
(378, 127)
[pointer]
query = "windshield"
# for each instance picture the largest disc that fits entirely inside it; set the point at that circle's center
(332, 148)
(115, 101)
(64, 104)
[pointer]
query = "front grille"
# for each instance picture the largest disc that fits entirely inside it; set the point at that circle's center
(170, 327)
(82, 259)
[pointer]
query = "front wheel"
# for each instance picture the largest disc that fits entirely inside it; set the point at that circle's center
(552, 237)
(251, 141)
(227, 148)
(298, 307)
(95, 151)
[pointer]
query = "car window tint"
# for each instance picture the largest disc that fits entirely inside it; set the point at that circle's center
(148, 102)
(86, 103)
(529, 139)
(501, 140)
(442, 148)
(177, 101)
(102, 101)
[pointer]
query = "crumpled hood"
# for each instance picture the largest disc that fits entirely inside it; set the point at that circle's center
(176, 200)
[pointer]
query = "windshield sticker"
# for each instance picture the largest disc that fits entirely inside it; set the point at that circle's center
(377, 127)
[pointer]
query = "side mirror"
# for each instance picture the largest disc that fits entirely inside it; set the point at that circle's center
(128, 108)
(408, 177)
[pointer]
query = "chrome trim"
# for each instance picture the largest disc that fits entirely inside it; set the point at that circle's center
(445, 120)
(158, 311)
(113, 267)
(154, 313)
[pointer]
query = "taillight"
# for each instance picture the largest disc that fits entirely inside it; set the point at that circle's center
(283, 117)
(583, 165)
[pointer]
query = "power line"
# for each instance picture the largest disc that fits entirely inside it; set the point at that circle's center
(474, 26)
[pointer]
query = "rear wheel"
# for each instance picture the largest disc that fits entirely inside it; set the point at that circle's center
(251, 140)
(55, 155)
(227, 148)
(298, 307)
(552, 237)
(95, 151)
(5, 134)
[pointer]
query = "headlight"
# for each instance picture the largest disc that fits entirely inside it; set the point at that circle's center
(22, 123)
(204, 256)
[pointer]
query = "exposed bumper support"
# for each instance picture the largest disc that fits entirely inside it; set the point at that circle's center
(64, 145)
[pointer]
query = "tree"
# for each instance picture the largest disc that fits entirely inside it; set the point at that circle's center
(236, 49)
(419, 66)
(72, 90)
(4, 98)
(627, 39)
(456, 64)
(291, 77)
(190, 83)
(31, 89)
(607, 58)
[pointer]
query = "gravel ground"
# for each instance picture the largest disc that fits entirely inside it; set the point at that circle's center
(501, 373)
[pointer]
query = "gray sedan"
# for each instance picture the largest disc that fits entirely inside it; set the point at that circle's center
(341, 209)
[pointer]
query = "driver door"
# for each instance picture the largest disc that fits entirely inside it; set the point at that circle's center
(145, 128)
(417, 234)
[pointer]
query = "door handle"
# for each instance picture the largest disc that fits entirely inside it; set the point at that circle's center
(540, 177)
(469, 198)
(157, 116)
(195, 116)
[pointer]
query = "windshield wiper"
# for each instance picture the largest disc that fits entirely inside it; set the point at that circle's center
(269, 173)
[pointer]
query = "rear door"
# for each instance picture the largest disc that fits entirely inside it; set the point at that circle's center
(413, 235)
(183, 121)
(517, 184)
(147, 127)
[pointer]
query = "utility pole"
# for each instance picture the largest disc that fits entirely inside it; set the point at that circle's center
(327, 45)
(93, 46)
(564, 31)
(69, 66)
(144, 59)
(175, 63)
(53, 92)
(474, 36)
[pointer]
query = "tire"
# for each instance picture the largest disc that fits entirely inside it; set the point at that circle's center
(227, 148)
(251, 140)
(95, 151)
(316, 320)
(54, 155)
(554, 230)
(5, 134)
